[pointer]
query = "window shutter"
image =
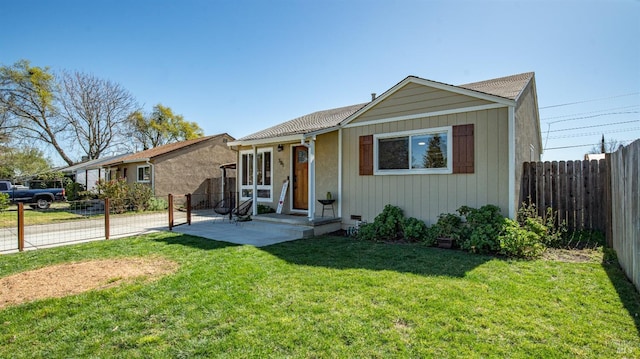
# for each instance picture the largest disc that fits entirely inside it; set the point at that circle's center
(463, 149)
(366, 155)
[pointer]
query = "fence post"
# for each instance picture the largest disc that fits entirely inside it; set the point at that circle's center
(107, 209)
(20, 227)
(189, 208)
(170, 199)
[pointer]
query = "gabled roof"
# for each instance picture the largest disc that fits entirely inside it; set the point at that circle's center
(306, 124)
(151, 153)
(508, 87)
(505, 90)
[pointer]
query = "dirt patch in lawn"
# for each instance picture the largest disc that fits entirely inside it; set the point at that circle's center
(573, 255)
(74, 278)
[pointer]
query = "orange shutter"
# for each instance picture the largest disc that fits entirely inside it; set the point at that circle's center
(463, 149)
(366, 155)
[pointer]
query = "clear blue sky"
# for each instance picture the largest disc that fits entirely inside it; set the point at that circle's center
(241, 66)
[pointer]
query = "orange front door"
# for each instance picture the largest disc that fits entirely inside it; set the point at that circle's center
(300, 178)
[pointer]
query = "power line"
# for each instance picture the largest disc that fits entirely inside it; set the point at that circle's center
(593, 100)
(589, 145)
(588, 113)
(583, 127)
(592, 116)
(594, 133)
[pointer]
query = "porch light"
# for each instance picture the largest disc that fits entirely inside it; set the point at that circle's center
(280, 148)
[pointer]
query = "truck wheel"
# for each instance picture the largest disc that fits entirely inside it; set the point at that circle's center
(43, 203)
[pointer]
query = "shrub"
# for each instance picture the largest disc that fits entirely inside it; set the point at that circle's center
(482, 228)
(74, 191)
(4, 201)
(157, 204)
(521, 242)
(139, 196)
(414, 229)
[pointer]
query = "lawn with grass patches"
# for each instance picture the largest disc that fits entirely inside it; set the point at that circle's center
(327, 297)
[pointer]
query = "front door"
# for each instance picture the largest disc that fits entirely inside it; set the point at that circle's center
(300, 177)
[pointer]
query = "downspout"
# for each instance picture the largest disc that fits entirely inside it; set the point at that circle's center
(340, 172)
(254, 194)
(512, 162)
(153, 177)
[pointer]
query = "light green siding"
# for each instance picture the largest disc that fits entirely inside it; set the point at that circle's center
(416, 99)
(426, 196)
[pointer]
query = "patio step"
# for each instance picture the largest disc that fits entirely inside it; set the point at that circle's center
(299, 231)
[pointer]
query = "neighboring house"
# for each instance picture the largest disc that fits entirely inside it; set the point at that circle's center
(88, 173)
(425, 146)
(191, 166)
(594, 156)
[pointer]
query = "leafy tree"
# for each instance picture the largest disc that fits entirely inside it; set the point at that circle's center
(28, 98)
(434, 158)
(22, 163)
(161, 127)
(95, 110)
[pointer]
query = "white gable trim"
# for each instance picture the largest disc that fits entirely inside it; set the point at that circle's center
(427, 114)
(438, 85)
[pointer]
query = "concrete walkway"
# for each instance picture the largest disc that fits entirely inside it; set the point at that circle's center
(251, 233)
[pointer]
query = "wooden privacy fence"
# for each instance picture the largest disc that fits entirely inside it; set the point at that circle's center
(625, 209)
(575, 190)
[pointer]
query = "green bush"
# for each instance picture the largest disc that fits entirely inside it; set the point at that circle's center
(139, 196)
(482, 228)
(414, 229)
(521, 242)
(157, 204)
(74, 191)
(4, 201)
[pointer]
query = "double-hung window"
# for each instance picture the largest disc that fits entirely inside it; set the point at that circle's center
(144, 174)
(423, 151)
(263, 174)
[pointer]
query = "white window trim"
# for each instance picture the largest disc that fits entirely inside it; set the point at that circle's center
(425, 131)
(260, 187)
(138, 174)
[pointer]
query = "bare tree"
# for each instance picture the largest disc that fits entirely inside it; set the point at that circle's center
(605, 146)
(28, 97)
(96, 111)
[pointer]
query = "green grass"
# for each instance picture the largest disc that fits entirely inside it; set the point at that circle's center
(9, 218)
(327, 297)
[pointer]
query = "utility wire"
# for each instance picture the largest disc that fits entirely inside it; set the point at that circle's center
(583, 127)
(592, 144)
(594, 133)
(593, 100)
(592, 116)
(589, 113)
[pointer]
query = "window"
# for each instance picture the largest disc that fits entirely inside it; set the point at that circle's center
(264, 170)
(144, 174)
(409, 152)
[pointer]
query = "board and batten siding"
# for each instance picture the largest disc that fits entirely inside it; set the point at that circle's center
(416, 99)
(425, 196)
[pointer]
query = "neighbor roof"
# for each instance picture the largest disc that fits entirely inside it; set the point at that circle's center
(508, 87)
(160, 150)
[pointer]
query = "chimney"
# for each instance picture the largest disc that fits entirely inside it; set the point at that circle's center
(373, 96)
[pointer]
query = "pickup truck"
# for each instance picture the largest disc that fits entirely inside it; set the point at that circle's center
(35, 198)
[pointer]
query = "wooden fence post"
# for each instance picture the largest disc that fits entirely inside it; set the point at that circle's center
(107, 209)
(170, 199)
(189, 208)
(20, 227)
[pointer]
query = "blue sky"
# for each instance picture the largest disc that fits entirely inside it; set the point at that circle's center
(241, 66)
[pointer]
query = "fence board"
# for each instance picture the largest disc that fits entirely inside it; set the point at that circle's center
(573, 189)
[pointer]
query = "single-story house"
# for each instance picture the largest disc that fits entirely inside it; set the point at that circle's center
(88, 173)
(425, 146)
(192, 166)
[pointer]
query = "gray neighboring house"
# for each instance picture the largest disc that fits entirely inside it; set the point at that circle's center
(88, 173)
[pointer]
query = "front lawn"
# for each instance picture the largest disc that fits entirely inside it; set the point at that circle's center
(326, 297)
